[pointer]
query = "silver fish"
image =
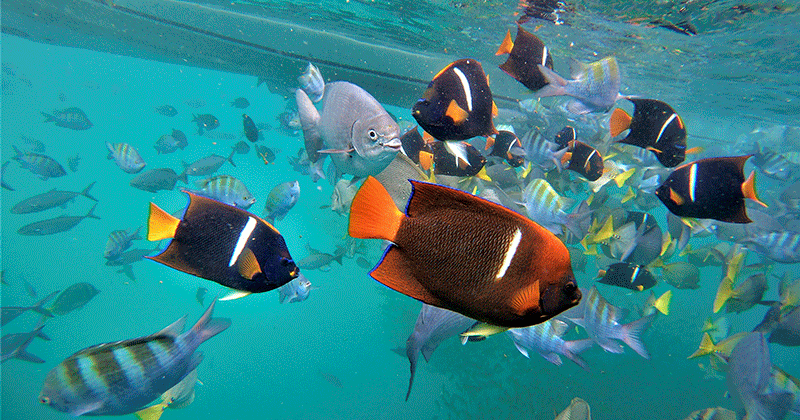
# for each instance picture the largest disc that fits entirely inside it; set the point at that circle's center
(205, 166)
(749, 372)
(297, 290)
(545, 339)
(317, 260)
(782, 247)
(49, 200)
(10, 313)
(226, 189)
(73, 118)
(281, 199)
(353, 128)
(126, 157)
(155, 180)
(15, 346)
(578, 410)
(55, 225)
(342, 196)
(595, 86)
(433, 326)
(32, 145)
(122, 377)
(312, 83)
(39, 164)
(119, 241)
(73, 298)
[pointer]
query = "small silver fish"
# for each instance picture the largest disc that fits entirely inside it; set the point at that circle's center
(226, 189)
(312, 83)
(15, 346)
(126, 157)
(281, 199)
(595, 86)
(205, 166)
(55, 225)
(545, 339)
(10, 313)
(155, 180)
(49, 200)
(119, 241)
(578, 410)
(342, 196)
(39, 164)
(73, 118)
(297, 290)
(749, 372)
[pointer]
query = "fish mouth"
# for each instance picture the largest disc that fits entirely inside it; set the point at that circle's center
(394, 144)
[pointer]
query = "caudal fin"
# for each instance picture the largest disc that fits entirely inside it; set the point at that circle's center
(85, 191)
(572, 348)
(631, 335)
(662, 303)
(619, 122)
(706, 347)
(724, 293)
(207, 327)
(39, 306)
(555, 86)
(373, 214)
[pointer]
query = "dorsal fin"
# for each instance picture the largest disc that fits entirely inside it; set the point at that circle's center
(175, 329)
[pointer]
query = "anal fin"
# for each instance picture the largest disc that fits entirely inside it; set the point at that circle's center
(395, 271)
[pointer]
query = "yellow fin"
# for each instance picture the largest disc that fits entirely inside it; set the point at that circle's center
(248, 264)
(630, 195)
(606, 231)
(591, 251)
(749, 189)
(160, 224)
(526, 171)
(456, 113)
(482, 329)
(153, 412)
(589, 200)
(621, 178)
(506, 46)
(235, 294)
(662, 303)
(706, 347)
(723, 293)
(708, 325)
(483, 175)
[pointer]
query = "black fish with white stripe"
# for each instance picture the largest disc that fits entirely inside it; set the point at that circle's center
(627, 275)
(655, 126)
(119, 378)
(507, 146)
(713, 188)
(525, 54)
(223, 244)
(583, 159)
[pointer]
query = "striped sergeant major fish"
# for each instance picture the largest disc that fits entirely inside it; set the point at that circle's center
(545, 339)
(782, 247)
(594, 86)
(122, 377)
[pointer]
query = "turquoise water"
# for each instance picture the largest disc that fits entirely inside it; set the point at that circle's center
(276, 361)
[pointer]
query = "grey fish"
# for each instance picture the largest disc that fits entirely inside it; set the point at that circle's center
(297, 290)
(122, 377)
(594, 87)
(749, 372)
(73, 162)
(127, 258)
(204, 166)
(545, 339)
(168, 144)
(196, 103)
(119, 241)
(126, 157)
(782, 328)
(166, 110)
(3, 176)
(72, 118)
(317, 260)
(782, 247)
(179, 396)
(747, 294)
(266, 154)
(42, 165)
(681, 275)
(73, 297)
(55, 225)
(241, 147)
(226, 189)
(15, 346)
(240, 103)
(155, 180)
(281, 199)
(32, 145)
(312, 83)
(360, 136)
(578, 409)
(302, 164)
(200, 295)
(433, 326)
(205, 122)
(333, 380)
(49, 200)
(10, 313)
(342, 196)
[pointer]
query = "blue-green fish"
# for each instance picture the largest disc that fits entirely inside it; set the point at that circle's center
(126, 157)
(226, 189)
(281, 199)
(123, 377)
(73, 118)
(42, 165)
(595, 86)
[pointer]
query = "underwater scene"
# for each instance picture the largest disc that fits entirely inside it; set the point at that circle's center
(412, 210)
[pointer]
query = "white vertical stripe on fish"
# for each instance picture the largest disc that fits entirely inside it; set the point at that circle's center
(161, 353)
(664, 126)
(692, 181)
(544, 56)
(465, 86)
(130, 367)
(510, 252)
(91, 379)
(635, 273)
(243, 237)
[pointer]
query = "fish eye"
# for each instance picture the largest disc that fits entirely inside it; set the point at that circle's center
(44, 400)
(286, 262)
(372, 134)
(570, 287)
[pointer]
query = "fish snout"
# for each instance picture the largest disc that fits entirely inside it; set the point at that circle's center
(394, 144)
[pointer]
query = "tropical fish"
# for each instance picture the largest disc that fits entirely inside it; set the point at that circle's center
(601, 321)
(250, 129)
(241, 147)
(749, 372)
(681, 275)
(10, 313)
(200, 295)
(265, 153)
(718, 329)
(281, 199)
(119, 241)
(312, 83)
(506, 145)
(342, 196)
(15, 346)
(722, 349)
(169, 143)
(353, 128)
(502, 282)
(73, 297)
(126, 157)
(156, 180)
(782, 247)
(447, 163)
(195, 103)
(627, 275)
(545, 339)
(179, 396)
(49, 200)
(205, 166)
(713, 188)
(655, 126)
(223, 244)
(55, 225)
(525, 53)
(660, 304)
(122, 377)
(42, 165)
(546, 207)
(317, 260)
(72, 118)
(297, 290)
(166, 110)
(746, 295)
(595, 86)
(205, 122)
(773, 164)
(578, 409)
(457, 105)
(32, 145)
(564, 136)
(433, 326)
(782, 326)
(583, 159)
(226, 189)
(240, 103)
(540, 151)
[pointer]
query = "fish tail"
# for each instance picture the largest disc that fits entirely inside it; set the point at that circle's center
(706, 347)
(572, 348)
(506, 46)
(662, 303)
(207, 327)
(413, 355)
(724, 292)
(749, 189)
(230, 158)
(160, 224)
(631, 333)
(619, 122)
(39, 306)
(153, 412)
(373, 214)
(85, 191)
(48, 117)
(91, 214)
(555, 86)
(17, 151)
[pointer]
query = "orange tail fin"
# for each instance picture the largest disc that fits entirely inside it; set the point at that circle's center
(619, 122)
(749, 189)
(373, 214)
(506, 46)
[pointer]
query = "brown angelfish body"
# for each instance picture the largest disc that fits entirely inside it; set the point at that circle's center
(466, 254)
